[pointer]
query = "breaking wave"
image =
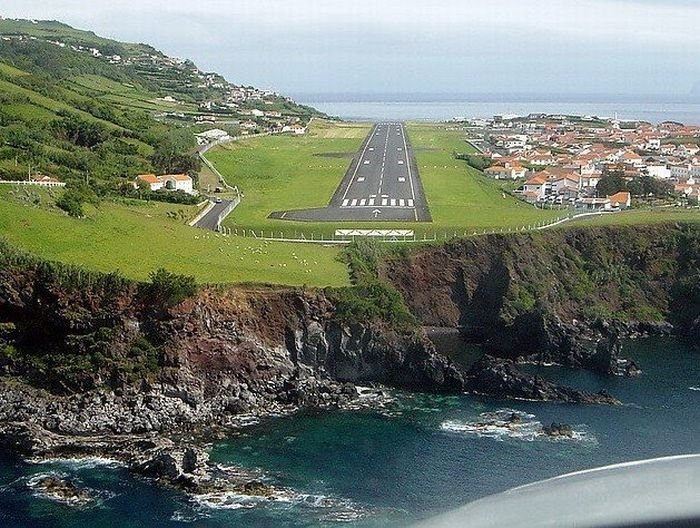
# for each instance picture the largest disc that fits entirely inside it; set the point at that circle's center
(510, 423)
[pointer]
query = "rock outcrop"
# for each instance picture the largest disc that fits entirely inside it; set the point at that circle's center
(501, 378)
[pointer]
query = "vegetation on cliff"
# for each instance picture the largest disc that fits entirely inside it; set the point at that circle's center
(643, 274)
(68, 328)
(370, 298)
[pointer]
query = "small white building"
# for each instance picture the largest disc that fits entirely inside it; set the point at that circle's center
(210, 136)
(294, 129)
(660, 171)
(506, 172)
(169, 182)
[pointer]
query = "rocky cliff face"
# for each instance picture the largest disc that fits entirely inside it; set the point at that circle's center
(553, 295)
(97, 359)
(89, 365)
(96, 363)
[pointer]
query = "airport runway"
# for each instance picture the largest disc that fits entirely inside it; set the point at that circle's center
(381, 184)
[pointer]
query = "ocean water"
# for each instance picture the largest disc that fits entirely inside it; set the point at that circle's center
(421, 455)
(654, 109)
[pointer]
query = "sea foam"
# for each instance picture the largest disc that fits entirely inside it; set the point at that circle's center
(513, 424)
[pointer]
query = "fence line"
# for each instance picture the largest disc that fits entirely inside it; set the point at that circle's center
(320, 238)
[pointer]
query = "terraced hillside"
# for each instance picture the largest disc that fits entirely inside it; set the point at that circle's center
(90, 110)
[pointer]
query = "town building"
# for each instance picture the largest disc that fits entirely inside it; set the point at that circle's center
(168, 182)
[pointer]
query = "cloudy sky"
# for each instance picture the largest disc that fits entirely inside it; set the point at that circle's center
(404, 46)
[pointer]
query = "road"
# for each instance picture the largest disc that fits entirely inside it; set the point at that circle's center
(211, 219)
(382, 183)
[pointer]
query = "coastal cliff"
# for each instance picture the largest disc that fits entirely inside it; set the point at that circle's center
(562, 295)
(93, 364)
(147, 372)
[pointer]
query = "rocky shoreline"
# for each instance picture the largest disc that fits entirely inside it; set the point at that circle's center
(94, 365)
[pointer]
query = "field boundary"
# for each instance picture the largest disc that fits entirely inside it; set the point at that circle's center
(316, 238)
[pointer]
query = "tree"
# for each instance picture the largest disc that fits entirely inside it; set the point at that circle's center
(174, 154)
(73, 198)
(611, 183)
(79, 131)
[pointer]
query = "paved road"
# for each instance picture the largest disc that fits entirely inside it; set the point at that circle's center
(382, 183)
(211, 219)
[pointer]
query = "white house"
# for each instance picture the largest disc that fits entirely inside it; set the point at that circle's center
(589, 181)
(653, 144)
(685, 171)
(210, 136)
(506, 171)
(169, 182)
(294, 129)
(660, 171)
(630, 157)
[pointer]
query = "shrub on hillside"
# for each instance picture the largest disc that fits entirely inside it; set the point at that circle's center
(73, 199)
(167, 289)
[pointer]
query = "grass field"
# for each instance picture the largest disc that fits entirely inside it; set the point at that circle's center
(283, 172)
(639, 216)
(137, 239)
(460, 197)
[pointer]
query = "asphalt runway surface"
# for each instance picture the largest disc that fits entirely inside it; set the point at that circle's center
(381, 184)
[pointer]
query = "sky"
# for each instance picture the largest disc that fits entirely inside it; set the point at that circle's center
(411, 46)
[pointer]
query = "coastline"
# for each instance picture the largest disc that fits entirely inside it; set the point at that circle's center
(428, 107)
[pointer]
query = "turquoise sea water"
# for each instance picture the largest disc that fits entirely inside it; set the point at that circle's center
(388, 467)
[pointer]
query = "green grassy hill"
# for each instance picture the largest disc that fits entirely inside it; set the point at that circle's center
(83, 108)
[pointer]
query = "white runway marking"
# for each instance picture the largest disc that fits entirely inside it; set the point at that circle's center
(363, 202)
(371, 202)
(366, 162)
(400, 162)
(361, 179)
(353, 203)
(393, 202)
(384, 201)
(410, 202)
(401, 180)
(345, 203)
(401, 203)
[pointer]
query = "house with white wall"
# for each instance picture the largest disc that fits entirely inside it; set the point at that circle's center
(168, 182)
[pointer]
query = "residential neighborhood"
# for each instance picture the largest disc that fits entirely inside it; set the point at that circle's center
(561, 159)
